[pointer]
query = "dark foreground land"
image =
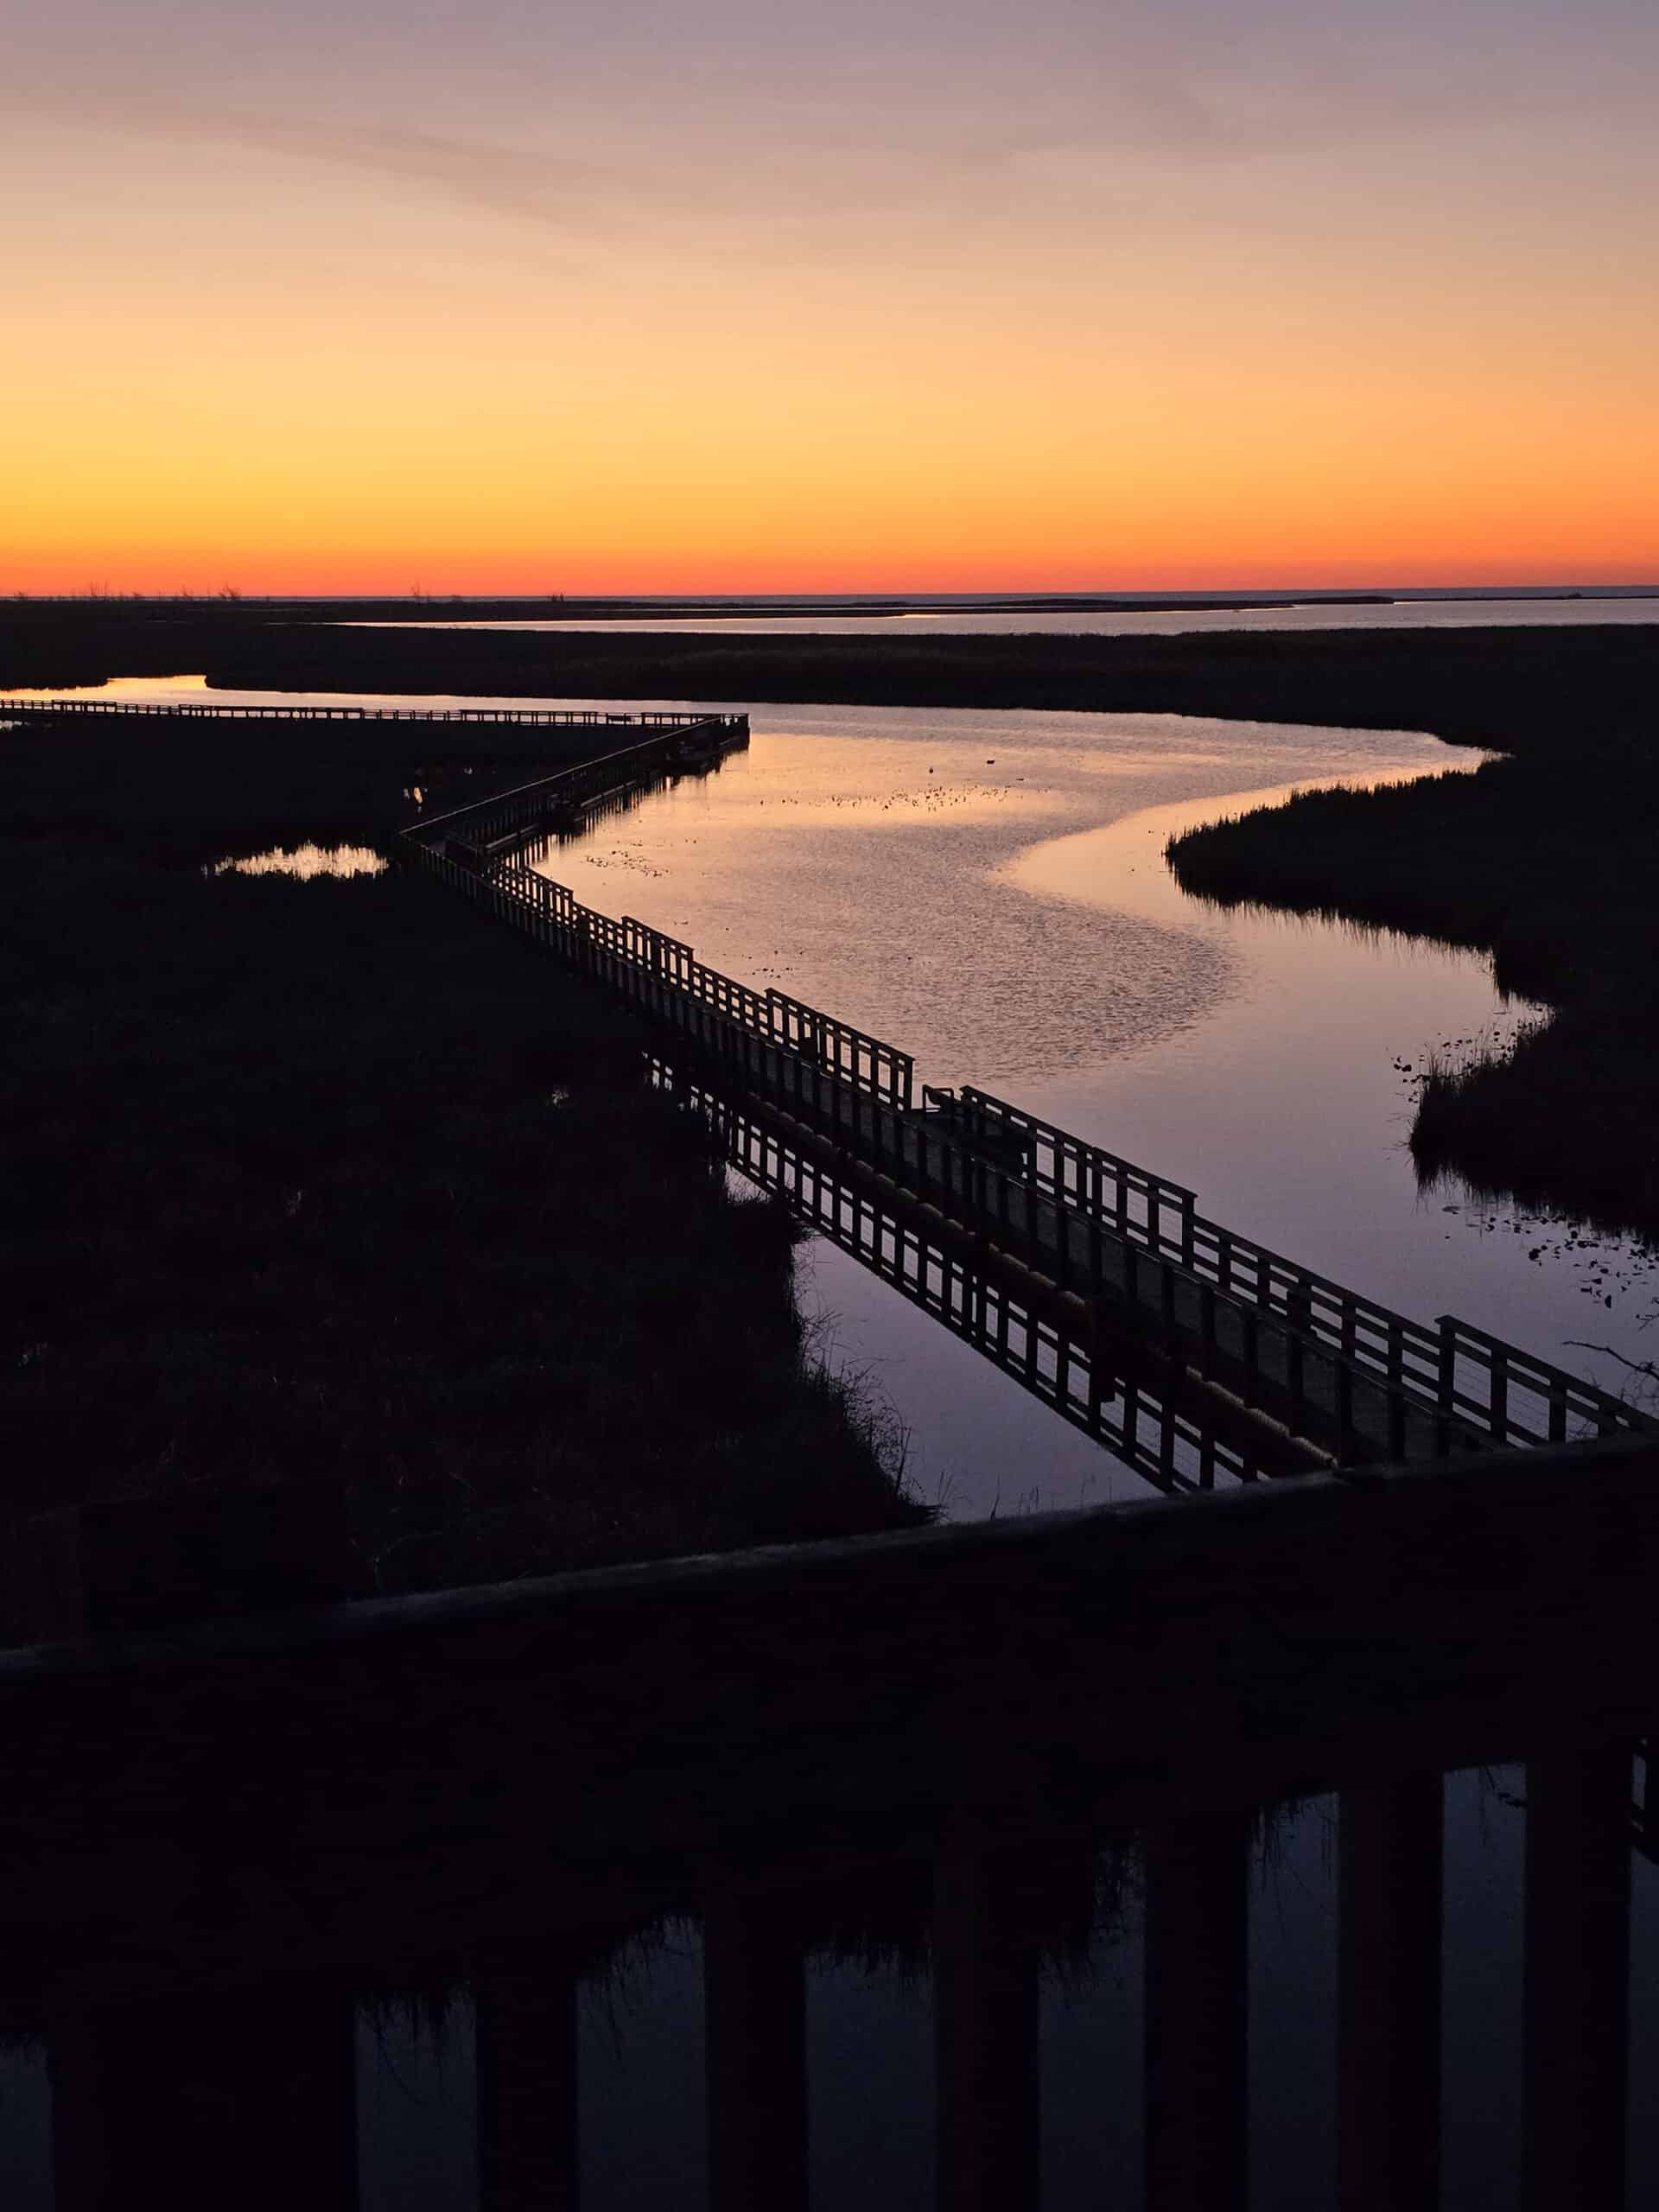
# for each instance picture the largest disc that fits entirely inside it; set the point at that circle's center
(327, 1181)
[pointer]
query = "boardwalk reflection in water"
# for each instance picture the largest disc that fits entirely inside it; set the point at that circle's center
(1146, 1409)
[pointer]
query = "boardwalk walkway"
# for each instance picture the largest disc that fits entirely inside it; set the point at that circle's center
(1311, 1357)
(1137, 1396)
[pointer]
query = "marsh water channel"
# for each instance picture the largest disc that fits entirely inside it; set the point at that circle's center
(987, 891)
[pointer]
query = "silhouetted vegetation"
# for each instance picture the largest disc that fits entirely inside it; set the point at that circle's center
(330, 1180)
(1547, 861)
(1512, 689)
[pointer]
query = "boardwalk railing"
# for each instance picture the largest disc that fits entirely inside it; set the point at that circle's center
(1130, 1200)
(510, 818)
(1471, 1376)
(1070, 1205)
(514, 717)
(762, 1032)
(1172, 1438)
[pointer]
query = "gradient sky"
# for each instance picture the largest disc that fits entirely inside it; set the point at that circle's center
(769, 295)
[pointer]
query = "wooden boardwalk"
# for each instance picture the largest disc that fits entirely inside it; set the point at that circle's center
(1139, 1398)
(1313, 1358)
(34, 711)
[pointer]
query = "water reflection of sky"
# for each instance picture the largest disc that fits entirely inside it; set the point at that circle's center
(1008, 918)
(1155, 622)
(989, 891)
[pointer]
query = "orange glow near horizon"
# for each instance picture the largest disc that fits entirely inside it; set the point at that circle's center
(1239, 334)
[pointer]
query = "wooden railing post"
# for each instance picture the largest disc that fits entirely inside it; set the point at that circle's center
(1446, 1369)
(1499, 1402)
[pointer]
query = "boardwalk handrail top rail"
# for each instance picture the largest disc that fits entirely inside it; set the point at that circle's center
(423, 823)
(295, 711)
(670, 971)
(1361, 1315)
(1078, 1148)
(518, 717)
(1511, 1364)
(1204, 1242)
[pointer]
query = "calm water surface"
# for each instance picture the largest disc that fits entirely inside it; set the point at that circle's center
(1117, 622)
(987, 891)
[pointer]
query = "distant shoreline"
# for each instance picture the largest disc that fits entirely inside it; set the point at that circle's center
(563, 607)
(1505, 689)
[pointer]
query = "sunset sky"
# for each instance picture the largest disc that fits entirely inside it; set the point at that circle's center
(760, 295)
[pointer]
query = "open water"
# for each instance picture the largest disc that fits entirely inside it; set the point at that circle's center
(971, 618)
(989, 892)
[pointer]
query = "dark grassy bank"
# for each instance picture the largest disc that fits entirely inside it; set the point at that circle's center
(1517, 689)
(330, 1181)
(1547, 861)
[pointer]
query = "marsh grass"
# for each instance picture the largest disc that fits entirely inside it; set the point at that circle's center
(1546, 862)
(329, 1180)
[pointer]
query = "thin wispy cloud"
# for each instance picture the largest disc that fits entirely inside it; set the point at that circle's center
(535, 186)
